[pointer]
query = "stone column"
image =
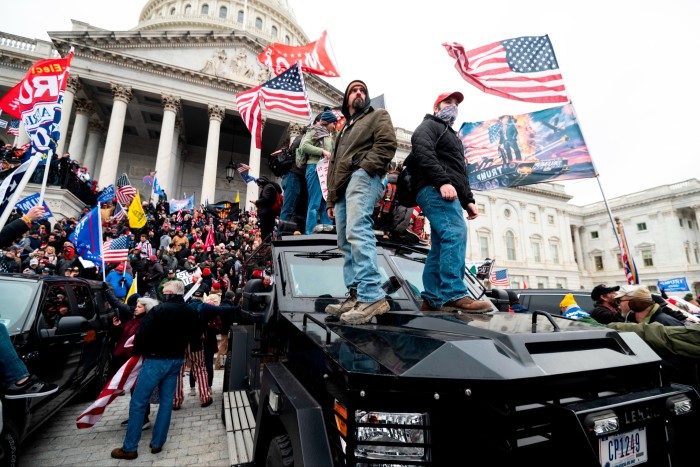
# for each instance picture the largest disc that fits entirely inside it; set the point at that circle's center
(72, 88)
(171, 104)
(579, 249)
(23, 137)
(254, 164)
(216, 116)
(93, 144)
(110, 157)
(174, 162)
(83, 109)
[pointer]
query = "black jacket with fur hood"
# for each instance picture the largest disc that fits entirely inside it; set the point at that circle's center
(437, 158)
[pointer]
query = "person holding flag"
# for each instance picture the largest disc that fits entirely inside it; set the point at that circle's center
(120, 280)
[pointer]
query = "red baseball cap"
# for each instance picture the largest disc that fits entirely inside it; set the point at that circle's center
(446, 95)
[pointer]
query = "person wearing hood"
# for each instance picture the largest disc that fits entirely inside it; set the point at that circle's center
(441, 184)
(316, 145)
(264, 203)
(363, 151)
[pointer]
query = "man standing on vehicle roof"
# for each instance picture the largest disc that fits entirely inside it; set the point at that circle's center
(363, 150)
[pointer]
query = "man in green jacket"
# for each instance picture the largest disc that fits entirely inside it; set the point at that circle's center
(363, 150)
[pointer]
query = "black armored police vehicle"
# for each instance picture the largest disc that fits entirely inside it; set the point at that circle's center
(414, 388)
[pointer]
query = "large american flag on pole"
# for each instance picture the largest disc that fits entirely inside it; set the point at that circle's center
(125, 191)
(116, 251)
(523, 69)
(285, 92)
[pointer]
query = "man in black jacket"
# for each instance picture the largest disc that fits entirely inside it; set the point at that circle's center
(442, 190)
(162, 337)
(264, 203)
(606, 310)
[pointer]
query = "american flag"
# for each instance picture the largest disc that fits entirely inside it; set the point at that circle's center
(125, 192)
(14, 127)
(285, 92)
(119, 212)
(499, 278)
(481, 142)
(627, 260)
(115, 250)
(122, 381)
(523, 69)
(178, 219)
(242, 168)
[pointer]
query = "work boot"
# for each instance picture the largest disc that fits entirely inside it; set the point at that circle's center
(362, 312)
(340, 308)
(120, 453)
(469, 305)
(426, 306)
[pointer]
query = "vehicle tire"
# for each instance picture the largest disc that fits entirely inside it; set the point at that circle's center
(9, 446)
(280, 453)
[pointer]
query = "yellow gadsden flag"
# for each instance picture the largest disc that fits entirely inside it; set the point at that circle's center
(132, 289)
(137, 218)
(238, 197)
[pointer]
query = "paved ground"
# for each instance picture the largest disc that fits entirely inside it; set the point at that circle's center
(197, 436)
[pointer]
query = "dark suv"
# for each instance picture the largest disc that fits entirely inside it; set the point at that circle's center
(60, 328)
(548, 299)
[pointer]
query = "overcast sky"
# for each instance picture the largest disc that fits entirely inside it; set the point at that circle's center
(630, 67)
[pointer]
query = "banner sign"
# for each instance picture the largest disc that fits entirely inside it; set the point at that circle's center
(30, 201)
(677, 284)
(516, 150)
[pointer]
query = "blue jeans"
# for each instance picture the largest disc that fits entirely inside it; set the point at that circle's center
(291, 186)
(354, 224)
(11, 366)
(443, 274)
(162, 373)
(317, 205)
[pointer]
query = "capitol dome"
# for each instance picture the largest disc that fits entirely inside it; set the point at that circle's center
(268, 20)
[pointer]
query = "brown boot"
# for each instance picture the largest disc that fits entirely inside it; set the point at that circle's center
(469, 305)
(425, 306)
(120, 453)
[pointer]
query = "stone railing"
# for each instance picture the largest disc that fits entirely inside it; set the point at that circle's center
(36, 47)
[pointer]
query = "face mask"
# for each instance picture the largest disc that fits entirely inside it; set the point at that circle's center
(448, 114)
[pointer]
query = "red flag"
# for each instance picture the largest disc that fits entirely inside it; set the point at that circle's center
(285, 92)
(523, 69)
(42, 84)
(209, 241)
(313, 57)
(123, 380)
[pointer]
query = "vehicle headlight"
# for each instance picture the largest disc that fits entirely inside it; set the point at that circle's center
(391, 436)
(679, 405)
(602, 423)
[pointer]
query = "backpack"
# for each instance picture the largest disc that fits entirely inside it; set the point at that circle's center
(281, 161)
(277, 205)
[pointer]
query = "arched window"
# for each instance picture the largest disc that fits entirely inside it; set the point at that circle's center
(258, 23)
(274, 31)
(205, 9)
(286, 40)
(240, 17)
(188, 9)
(172, 11)
(223, 11)
(510, 246)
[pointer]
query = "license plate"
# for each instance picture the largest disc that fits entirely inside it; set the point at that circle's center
(624, 449)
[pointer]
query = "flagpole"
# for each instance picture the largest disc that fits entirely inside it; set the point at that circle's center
(335, 61)
(101, 240)
(597, 177)
(20, 188)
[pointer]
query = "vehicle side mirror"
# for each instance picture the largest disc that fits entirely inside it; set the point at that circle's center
(71, 325)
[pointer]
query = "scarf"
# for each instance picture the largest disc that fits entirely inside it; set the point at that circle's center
(320, 132)
(448, 114)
